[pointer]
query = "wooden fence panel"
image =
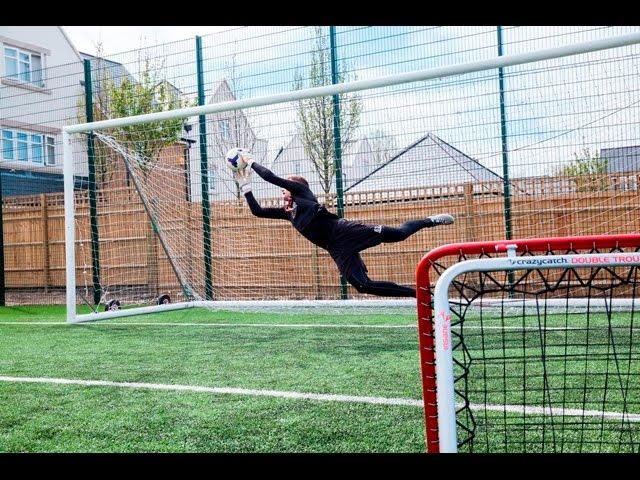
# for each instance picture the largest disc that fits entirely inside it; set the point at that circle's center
(130, 253)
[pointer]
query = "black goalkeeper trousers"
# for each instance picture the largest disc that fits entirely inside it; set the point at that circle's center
(355, 271)
(362, 283)
(398, 234)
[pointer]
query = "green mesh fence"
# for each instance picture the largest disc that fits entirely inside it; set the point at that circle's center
(555, 141)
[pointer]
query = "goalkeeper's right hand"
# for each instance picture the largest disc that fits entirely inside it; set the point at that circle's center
(243, 177)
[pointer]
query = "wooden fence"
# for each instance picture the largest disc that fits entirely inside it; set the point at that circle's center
(131, 255)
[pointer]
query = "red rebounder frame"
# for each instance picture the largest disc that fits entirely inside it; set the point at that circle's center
(424, 285)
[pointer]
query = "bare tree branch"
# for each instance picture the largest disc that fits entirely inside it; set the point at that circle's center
(316, 116)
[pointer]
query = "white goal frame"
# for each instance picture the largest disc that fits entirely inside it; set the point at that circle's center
(397, 79)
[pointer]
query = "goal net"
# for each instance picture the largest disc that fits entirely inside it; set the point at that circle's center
(531, 345)
(154, 220)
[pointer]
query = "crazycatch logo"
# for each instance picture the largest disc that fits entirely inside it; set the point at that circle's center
(576, 260)
(444, 329)
(538, 262)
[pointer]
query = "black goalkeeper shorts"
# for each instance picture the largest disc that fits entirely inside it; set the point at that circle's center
(347, 239)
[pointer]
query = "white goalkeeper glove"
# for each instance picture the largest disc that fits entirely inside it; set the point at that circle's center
(243, 177)
(247, 159)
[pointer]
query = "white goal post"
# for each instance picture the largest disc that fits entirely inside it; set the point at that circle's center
(404, 78)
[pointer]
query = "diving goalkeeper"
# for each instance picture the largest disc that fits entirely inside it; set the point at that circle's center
(343, 239)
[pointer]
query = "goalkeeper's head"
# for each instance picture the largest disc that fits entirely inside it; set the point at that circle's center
(286, 194)
(298, 179)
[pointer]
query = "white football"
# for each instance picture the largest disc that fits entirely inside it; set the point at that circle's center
(235, 159)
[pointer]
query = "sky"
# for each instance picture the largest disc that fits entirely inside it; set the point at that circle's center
(553, 108)
(122, 39)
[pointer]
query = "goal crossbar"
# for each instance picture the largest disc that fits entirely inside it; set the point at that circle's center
(358, 85)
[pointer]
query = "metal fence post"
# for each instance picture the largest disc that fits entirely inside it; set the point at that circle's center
(93, 203)
(505, 156)
(204, 177)
(2, 281)
(508, 228)
(337, 144)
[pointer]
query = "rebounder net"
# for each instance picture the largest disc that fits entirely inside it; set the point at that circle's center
(544, 359)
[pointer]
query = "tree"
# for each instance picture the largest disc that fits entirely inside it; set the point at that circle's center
(102, 78)
(315, 115)
(241, 133)
(125, 96)
(587, 169)
(150, 94)
(233, 126)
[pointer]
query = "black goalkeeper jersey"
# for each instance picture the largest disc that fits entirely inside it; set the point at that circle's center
(308, 217)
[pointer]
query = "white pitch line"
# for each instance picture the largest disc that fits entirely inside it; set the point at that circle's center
(323, 397)
(221, 390)
(568, 412)
(305, 325)
(535, 329)
(185, 324)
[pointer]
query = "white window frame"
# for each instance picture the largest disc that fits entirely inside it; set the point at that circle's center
(36, 80)
(212, 182)
(22, 145)
(225, 132)
(46, 145)
(49, 150)
(5, 138)
(36, 141)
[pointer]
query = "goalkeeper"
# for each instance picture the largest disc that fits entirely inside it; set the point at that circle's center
(343, 239)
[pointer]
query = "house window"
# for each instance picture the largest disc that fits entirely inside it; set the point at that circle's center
(51, 151)
(36, 148)
(187, 177)
(7, 145)
(28, 147)
(23, 146)
(23, 66)
(212, 183)
(224, 129)
(11, 62)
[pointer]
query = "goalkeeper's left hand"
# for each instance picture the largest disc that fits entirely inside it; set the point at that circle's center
(247, 159)
(243, 177)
